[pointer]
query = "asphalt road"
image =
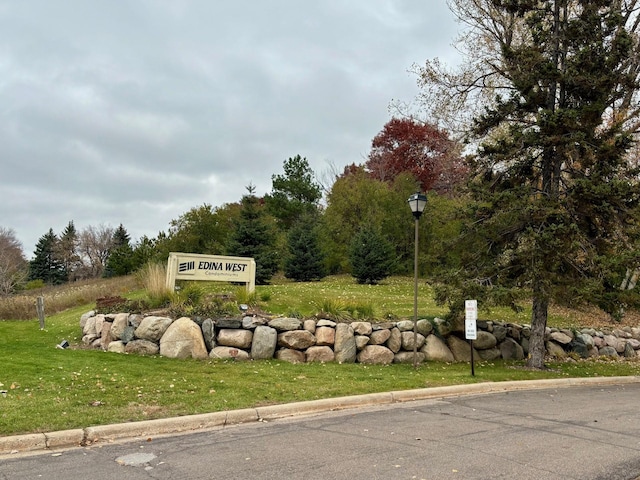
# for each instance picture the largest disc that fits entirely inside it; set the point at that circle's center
(586, 433)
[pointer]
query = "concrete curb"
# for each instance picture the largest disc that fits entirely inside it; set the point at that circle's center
(48, 442)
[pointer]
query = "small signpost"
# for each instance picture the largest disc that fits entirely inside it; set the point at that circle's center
(40, 311)
(470, 331)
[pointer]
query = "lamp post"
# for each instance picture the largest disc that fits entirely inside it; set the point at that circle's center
(417, 202)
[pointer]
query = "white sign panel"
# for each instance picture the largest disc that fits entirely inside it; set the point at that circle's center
(470, 317)
(192, 266)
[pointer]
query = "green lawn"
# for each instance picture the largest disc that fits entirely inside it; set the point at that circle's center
(47, 388)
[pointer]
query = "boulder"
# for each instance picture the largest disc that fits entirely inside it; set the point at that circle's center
(120, 322)
(251, 322)
(116, 347)
(375, 354)
(556, 351)
(290, 355)
(379, 337)
(208, 333)
(285, 324)
(608, 352)
(325, 336)
(264, 342)
(362, 328)
(489, 354)
(484, 340)
(408, 341)
(345, 346)
(183, 339)
(361, 341)
(424, 327)
(89, 327)
(461, 349)
(235, 337)
(309, 325)
(561, 338)
(407, 357)
(436, 350)
(296, 339)
(511, 350)
(405, 325)
(142, 347)
(152, 328)
(321, 354)
(228, 353)
(394, 343)
(105, 335)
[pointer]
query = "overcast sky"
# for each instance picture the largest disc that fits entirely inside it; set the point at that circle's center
(135, 111)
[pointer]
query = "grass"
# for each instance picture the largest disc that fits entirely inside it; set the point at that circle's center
(47, 388)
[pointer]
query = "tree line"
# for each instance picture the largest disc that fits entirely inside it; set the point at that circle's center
(528, 155)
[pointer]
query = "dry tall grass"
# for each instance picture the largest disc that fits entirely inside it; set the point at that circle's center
(61, 297)
(153, 279)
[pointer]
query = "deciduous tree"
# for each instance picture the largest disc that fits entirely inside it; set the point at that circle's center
(13, 264)
(422, 149)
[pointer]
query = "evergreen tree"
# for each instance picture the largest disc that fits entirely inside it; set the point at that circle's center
(293, 194)
(305, 261)
(120, 261)
(66, 251)
(254, 237)
(372, 256)
(45, 265)
(555, 88)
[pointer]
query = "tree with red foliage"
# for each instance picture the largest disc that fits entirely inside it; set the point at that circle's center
(407, 145)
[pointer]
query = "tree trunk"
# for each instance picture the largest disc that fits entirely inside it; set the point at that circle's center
(538, 326)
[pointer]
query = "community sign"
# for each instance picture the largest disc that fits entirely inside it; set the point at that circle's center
(192, 266)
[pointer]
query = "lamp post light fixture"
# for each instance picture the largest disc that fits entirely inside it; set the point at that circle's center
(417, 202)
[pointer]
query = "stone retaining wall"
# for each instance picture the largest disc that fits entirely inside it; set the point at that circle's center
(321, 340)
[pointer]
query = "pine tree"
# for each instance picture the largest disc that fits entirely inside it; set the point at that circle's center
(45, 265)
(120, 261)
(372, 256)
(305, 261)
(66, 251)
(554, 92)
(253, 237)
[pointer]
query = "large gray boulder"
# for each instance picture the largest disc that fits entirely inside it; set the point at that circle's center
(345, 346)
(511, 350)
(461, 349)
(484, 340)
(394, 343)
(264, 342)
(183, 339)
(152, 328)
(408, 341)
(120, 322)
(436, 350)
(285, 324)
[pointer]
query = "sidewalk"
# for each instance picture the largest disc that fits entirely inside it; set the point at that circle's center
(52, 441)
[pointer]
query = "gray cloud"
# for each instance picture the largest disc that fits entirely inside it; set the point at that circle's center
(134, 112)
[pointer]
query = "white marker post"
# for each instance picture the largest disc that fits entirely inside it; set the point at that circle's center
(470, 332)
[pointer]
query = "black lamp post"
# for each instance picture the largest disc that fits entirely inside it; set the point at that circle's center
(417, 202)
